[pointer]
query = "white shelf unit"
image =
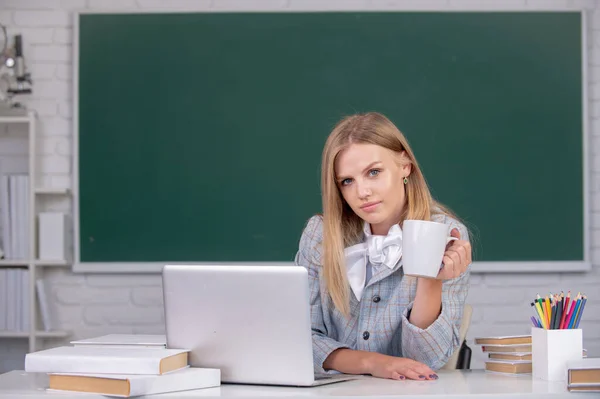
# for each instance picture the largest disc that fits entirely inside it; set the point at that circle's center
(35, 266)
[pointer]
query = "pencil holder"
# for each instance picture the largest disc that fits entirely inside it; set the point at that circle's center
(552, 349)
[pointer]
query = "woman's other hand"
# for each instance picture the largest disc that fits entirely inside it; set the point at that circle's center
(399, 368)
(456, 258)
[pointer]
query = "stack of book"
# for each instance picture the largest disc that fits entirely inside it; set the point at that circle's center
(130, 366)
(507, 354)
(583, 375)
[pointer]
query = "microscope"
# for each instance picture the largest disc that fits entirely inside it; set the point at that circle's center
(14, 78)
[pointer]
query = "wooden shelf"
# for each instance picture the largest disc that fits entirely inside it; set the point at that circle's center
(40, 334)
(52, 191)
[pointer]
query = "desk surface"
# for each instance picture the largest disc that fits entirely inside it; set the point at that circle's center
(454, 384)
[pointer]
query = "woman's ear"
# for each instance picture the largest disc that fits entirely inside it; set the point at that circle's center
(406, 164)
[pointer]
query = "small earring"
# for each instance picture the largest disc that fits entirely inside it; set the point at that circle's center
(405, 180)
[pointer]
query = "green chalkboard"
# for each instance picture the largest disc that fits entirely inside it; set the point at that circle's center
(200, 134)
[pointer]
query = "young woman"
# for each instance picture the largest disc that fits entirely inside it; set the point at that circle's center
(367, 317)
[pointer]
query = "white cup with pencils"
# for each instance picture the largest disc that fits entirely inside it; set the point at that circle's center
(556, 336)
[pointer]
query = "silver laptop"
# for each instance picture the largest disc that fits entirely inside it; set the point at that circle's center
(252, 322)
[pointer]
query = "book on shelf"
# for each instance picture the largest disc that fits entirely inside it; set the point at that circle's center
(504, 340)
(110, 360)
(14, 198)
(510, 356)
(124, 385)
(14, 299)
(509, 366)
(518, 348)
(515, 355)
(44, 304)
(124, 341)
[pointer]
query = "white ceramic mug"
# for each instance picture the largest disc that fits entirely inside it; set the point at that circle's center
(423, 247)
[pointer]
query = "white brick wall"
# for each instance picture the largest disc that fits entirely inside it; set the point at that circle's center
(98, 304)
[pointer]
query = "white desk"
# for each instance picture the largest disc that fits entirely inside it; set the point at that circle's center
(475, 384)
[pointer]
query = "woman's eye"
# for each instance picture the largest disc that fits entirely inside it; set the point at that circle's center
(345, 182)
(374, 172)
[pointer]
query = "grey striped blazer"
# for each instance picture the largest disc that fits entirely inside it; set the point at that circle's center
(379, 322)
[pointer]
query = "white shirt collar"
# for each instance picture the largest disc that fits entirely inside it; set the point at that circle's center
(378, 250)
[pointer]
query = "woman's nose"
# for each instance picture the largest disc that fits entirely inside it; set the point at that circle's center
(363, 190)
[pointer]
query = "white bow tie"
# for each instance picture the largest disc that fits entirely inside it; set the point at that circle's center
(379, 250)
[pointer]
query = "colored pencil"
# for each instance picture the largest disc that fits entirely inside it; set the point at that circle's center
(559, 310)
(574, 315)
(539, 300)
(538, 309)
(548, 310)
(565, 308)
(570, 312)
(581, 311)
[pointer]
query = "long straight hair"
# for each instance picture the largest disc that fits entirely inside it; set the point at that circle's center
(341, 226)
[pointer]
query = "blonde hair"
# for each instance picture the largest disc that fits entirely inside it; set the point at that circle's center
(341, 226)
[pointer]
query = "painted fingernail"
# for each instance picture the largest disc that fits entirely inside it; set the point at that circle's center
(433, 376)
(421, 376)
(402, 377)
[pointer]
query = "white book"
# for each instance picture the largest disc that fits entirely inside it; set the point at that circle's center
(587, 363)
(8, 168)
(507, 374)
(3, 300)
(517, 354)
(504, 340)
(507, 361)
(124, 341)
(516, 367)
(109, 360)
(136, 385)
(583, 388)
(584, 373)
(518, 348)
(52, 236)
(18, 304)
(20, 207)
(5, 205)
(44, 304)
(506, 336)
(24, 300)
(13, 208)
(11, 299)
(24, 191)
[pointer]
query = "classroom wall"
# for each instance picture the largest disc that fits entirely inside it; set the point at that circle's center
(91, 305)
